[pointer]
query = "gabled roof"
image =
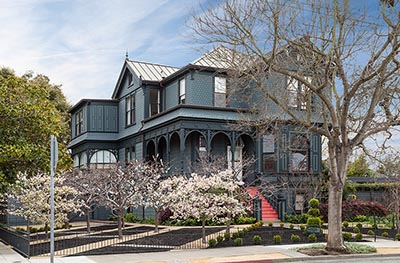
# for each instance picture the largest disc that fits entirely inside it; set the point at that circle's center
(149, 71)
(220, 57)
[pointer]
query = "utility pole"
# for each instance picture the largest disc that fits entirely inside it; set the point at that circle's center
(53, 165)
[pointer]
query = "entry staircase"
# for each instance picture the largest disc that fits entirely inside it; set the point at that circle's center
(268, 213)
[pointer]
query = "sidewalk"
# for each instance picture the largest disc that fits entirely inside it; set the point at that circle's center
(261, 254)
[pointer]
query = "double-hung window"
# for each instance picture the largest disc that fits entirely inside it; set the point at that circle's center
(299, 147)
(79, 122)
(298, 94)
(154, 106)
(130, 110)
(182, 91)
(219, 92)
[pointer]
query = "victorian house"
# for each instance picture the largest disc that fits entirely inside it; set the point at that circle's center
(180, 114)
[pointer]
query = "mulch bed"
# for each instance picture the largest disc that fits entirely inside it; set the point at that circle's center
(44, 248)
(267, 233)
(155, 243)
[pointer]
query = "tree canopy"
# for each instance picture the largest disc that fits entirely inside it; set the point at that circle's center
(31, 109)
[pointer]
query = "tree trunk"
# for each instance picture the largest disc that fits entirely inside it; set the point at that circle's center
(157, 222)
(228, 224)
(335, 237)
(87, 215)
(338, 159)
(203, 226)
(46, 230)
(120, 222)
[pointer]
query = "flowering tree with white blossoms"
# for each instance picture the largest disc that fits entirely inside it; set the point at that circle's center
(31, 196)
(121, 186)
(156, 189)
(81, 181)
(205, 198)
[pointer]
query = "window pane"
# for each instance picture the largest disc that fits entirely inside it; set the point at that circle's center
(220, 99)
(299, 161)
(220, 85)
(182, 87)
(76, 161)
(268, 143)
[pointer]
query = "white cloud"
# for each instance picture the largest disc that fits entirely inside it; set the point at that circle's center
(82, 44)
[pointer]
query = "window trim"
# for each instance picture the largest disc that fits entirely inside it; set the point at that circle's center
(130, 110)
(182, 87)
(79, 122)
(219, 91)
(301, 148)
(297, 94)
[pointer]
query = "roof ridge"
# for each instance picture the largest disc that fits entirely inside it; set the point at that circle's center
(150, 63)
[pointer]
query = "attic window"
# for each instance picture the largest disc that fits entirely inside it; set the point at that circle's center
(298, 94)
(130, 79)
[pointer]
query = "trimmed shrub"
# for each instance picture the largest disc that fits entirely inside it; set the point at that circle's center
(346, 236)
(212, 242)
(314, 222)
(296, 219)
(314, 212)
(220, 239)
(312, 238)
(245, 220)
(291, 226)
(356, 230)
(302, 227)
(270, 223)
(397, 237)
(385, 234)
(359, 218)
(358, 237)
(359, 225)
(371, 232)
(257, 240)
(277, 239)
(313, 203)
(131, 218)
(281, 224)
(345, 224)
(238, 241)
(227, 236)
(295, 238)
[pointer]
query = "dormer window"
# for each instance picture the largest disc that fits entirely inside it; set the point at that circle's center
(219, 92)
(182, 91)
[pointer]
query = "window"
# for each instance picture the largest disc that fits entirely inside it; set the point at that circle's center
(102, 158)
(130, 154)
(154, 106)
(299, 145)
(219, 92)
(268, 160)
(79, 122)
(182, 91)
(130, 110)
(298, 93)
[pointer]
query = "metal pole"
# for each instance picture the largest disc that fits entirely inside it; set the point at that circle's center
(53, 165)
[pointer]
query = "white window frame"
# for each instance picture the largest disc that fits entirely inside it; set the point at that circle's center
(182, 91)
(130, 111)
(219, 91)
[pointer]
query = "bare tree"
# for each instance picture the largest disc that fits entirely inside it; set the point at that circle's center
(322, 65)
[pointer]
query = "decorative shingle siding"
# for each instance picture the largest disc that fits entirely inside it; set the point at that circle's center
(171, 94)
(200, 89)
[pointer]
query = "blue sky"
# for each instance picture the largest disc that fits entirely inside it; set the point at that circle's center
(82, 44)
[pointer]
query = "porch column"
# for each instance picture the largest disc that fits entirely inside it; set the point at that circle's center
(182, 149)
(259, 155)
(168, 157)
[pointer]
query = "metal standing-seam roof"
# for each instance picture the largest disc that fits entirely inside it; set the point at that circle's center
(149, 71)
(220, 57)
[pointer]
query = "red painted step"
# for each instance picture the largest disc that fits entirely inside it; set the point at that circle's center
(268, 213)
